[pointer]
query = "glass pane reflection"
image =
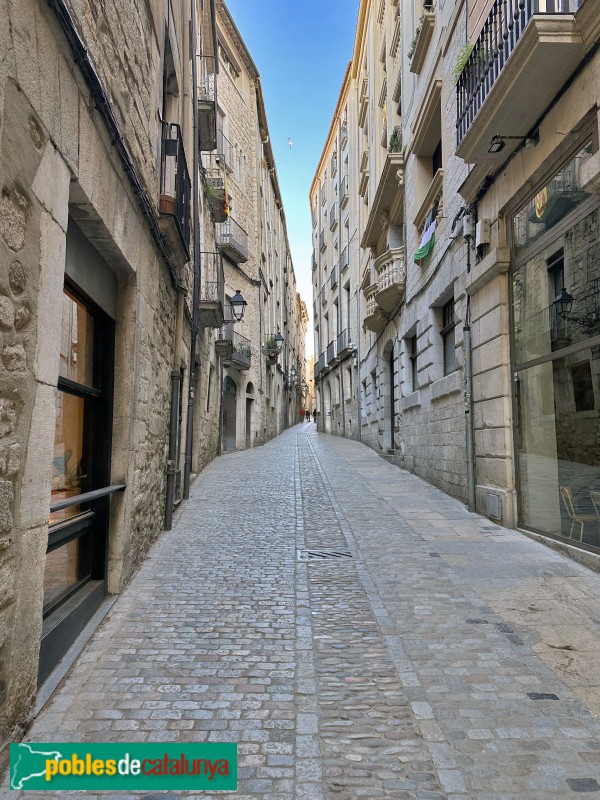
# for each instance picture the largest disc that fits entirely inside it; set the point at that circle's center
(63, 570)
(559, 446)
(573, 262)
(69, 476)
(76, 342)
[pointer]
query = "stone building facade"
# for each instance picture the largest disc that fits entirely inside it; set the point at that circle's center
(475, 152)
(101, 334)
(334, 206)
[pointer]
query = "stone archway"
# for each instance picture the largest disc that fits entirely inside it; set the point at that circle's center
(249, 413)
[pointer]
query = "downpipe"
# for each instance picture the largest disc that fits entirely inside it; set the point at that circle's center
(189, 428)
(469, 421)
(175, 388)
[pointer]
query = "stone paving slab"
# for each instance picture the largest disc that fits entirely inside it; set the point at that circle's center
(437, 656)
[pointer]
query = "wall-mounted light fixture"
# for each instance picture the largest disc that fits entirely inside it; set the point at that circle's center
(238, 306)
(563, 303)
(498, 142)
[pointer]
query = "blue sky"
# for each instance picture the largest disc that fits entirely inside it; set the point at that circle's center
(301, 49)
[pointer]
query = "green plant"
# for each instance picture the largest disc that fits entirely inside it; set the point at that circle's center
(245, 350)
(395, 140)
(271, 344)
(413, 44)
(461, 62)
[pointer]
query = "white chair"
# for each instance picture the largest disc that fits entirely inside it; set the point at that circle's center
(577, 517)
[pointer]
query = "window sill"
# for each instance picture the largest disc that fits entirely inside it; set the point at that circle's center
(449, 384)
(411, 401)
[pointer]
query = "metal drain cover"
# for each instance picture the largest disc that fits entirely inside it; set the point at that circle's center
(322, 555)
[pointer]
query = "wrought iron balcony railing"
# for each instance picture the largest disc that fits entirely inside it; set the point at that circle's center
(331, 351)
(175, 184)
(333, 220)
(333, 278)
(499, 36)
(319, 366)
(212, 290)
(344, 260)
(240, 352)
(344, 191)
(232, 239)
(207, 103)
(225, 150)
(343, 344)
(322, 243)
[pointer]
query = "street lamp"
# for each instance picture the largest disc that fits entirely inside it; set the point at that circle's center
(279, 339)
(563, 303)
(238, 305)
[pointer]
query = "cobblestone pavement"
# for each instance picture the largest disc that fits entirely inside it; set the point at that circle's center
(432, 655)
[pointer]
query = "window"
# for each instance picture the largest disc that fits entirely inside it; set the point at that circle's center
(436, 159)
(583, 388)
(448, 326)
(81, 456)
(412, 355)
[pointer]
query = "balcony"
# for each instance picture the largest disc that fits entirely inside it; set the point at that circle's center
(524, 54)
(344, 192)
(391, 279)
(234, 349)
(344, 260)
(344, 345)
(322, 242)
(343, 134)
(212, 290)
(333, 164)
(225, 151)
(375, 318)
(333, 281)
(232, 240)
(175, 193)
(423, 34)
(319, 366)
(207, 103)
(314, 261)
(388, 199)
(331, 357)
(213, 189)
(333, 217)
(363, 102)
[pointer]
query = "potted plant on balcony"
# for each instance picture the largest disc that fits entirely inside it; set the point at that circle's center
(215, 197)
(272, 350)
(461, 62)
(395, 140)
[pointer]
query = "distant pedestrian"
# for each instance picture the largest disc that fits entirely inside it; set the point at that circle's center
(308, 415)
(315, 415)
(301, 415)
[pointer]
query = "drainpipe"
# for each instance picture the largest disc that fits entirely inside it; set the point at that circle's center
(176, 368)
(358, 380)
(175, 387)
(469, 422)
(189, 435)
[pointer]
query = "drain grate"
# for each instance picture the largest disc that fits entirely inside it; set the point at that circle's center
(542, 696)
(322, 555)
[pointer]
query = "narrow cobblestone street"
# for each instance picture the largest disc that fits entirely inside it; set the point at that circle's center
(430, 655)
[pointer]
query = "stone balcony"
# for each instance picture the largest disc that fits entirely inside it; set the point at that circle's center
(391, 279)
(375, 318)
